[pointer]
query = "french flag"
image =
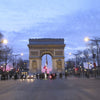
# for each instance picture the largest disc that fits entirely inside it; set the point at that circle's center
(46, 64)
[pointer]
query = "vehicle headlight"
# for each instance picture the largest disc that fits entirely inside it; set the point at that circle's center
(31, 75)
(28, 76)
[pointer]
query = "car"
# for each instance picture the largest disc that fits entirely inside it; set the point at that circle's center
(4, 77)
(30, 76)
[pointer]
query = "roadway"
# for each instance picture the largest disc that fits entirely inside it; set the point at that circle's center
(58, 89)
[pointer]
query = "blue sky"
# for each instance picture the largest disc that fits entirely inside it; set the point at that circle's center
(69, 19)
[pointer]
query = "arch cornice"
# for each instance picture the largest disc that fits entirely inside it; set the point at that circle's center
(47, 46)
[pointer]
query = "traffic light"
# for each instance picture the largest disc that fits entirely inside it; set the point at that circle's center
(94, 64)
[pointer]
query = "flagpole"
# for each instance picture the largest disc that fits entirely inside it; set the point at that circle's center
(46, 64)
(46, 68)
(46, 58)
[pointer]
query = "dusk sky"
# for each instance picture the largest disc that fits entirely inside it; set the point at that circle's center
(69, 19)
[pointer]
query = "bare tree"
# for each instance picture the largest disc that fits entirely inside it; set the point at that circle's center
(1, 36)
(96, 42)
(1, 46)
(7, 55)
(20, 63)
(86, 54)
(77, 57)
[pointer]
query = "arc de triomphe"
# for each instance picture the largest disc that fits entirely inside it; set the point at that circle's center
(39, 47)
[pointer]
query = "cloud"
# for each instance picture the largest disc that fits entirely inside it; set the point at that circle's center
(24, 40)
(73, 28)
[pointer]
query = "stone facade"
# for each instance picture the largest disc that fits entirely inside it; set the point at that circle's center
(39, 47)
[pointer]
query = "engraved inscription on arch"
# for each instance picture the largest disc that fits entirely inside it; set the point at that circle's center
(34, 53)
(58, 53)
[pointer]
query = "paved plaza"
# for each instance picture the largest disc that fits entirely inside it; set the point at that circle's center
(59, 89)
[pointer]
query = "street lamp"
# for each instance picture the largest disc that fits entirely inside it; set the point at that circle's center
(21, 54)
(76, 55)
(86, 39)
(70, 53)
(96, 41)
(4, 41)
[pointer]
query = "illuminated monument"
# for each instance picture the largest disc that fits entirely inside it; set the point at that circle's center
(51, 46)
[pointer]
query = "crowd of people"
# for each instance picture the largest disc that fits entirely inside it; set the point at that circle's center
(15, 76)
(50, 76)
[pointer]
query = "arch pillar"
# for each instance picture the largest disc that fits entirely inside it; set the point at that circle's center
(58, 64)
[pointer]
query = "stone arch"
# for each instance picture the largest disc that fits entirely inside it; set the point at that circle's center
(53, 47)
(46, 52)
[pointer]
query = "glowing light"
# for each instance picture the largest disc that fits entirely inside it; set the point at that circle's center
(86, 39)
(21, 54)
(32, 76)
(50, 76)
(20, 80)
(1, 66)
(70, 53)
(84, 69)
(5, 41)
(76, 69)
(32, 80)
(48, 70)
(28, 80)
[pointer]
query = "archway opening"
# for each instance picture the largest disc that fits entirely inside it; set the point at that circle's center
(46, 66)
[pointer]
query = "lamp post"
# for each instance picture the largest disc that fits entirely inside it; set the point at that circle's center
(70, 63)
(71, 54)
(96, 41)
(4, 41)
(14, 62)
(75, 59)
